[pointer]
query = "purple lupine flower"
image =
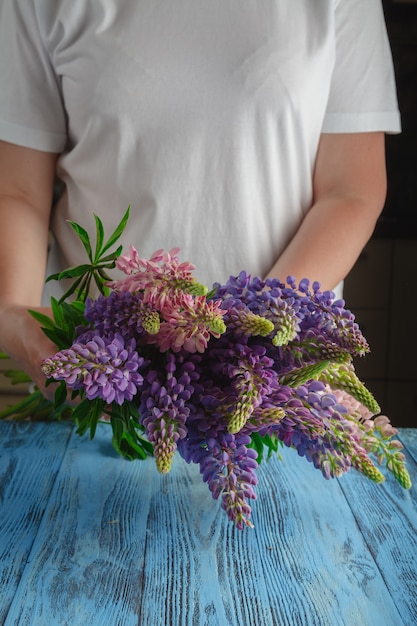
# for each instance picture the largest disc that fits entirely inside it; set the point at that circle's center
(123, 312)
(235, 378)
(228, 466)
(101, 368)
(163, 406)
(297, 309)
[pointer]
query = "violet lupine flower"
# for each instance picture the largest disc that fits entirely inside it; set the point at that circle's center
(121, 312)
(164, 409)
(323, 313)
(343, 451)
(337, 447)
(245, 378)
(101, 368)
(160, 278)
(228, 466)
(297, 310)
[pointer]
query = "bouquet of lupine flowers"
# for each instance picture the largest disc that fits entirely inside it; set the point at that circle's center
(220, 377)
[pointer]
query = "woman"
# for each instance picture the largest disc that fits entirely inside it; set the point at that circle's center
(248, 134)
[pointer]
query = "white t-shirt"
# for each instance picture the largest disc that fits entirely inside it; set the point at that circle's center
(203, 115)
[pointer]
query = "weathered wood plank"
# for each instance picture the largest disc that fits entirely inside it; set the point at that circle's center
(408, 437)
(30, 458)
(86, 563)
(387, 517)
(120, 544)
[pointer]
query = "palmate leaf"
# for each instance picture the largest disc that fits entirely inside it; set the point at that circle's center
(85, 274)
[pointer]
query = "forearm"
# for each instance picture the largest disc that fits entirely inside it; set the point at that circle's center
(328, 242)
(26, 187)
(349, 188)
(23, 251)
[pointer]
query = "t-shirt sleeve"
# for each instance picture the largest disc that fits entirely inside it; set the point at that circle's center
(31, 109)
(363, 95)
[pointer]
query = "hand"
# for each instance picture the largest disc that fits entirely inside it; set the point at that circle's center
(22, 338)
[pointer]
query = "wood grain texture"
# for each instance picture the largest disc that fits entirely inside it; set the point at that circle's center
(115, 543)
(387, 519)
(30, 459)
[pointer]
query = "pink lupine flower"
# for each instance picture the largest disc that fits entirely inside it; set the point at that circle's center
(188, 323)
(160, 278)
(354, 408)
(383, 424)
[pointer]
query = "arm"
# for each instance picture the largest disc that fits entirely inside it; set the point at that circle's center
(349, 190)
(26, 188)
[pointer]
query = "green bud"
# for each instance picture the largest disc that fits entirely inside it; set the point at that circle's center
(303, 374)
(151, 323)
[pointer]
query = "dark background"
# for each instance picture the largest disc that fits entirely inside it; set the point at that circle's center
(399, 217)
(382, 287)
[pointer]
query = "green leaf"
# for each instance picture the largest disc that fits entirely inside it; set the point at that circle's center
(73, 316)
(117, 427)
(84, 238)
(81, 415)
(43, 319)
(211, 293)
(79, 307)
(129, 447)
(269, 442)
(101, 286)
(84, 289)
(57, 311)
(99, 238)
(111, 257)
(24, 408)
(127, 441)
(60, 396)
(72, 289)
(71, 272)
(132, 410)
(257, 444)
(17, 377)
(96, 412)
(58, 337)
(146, 445)
(117, 232)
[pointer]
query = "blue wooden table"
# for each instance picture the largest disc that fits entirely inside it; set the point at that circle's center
(87, 538)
